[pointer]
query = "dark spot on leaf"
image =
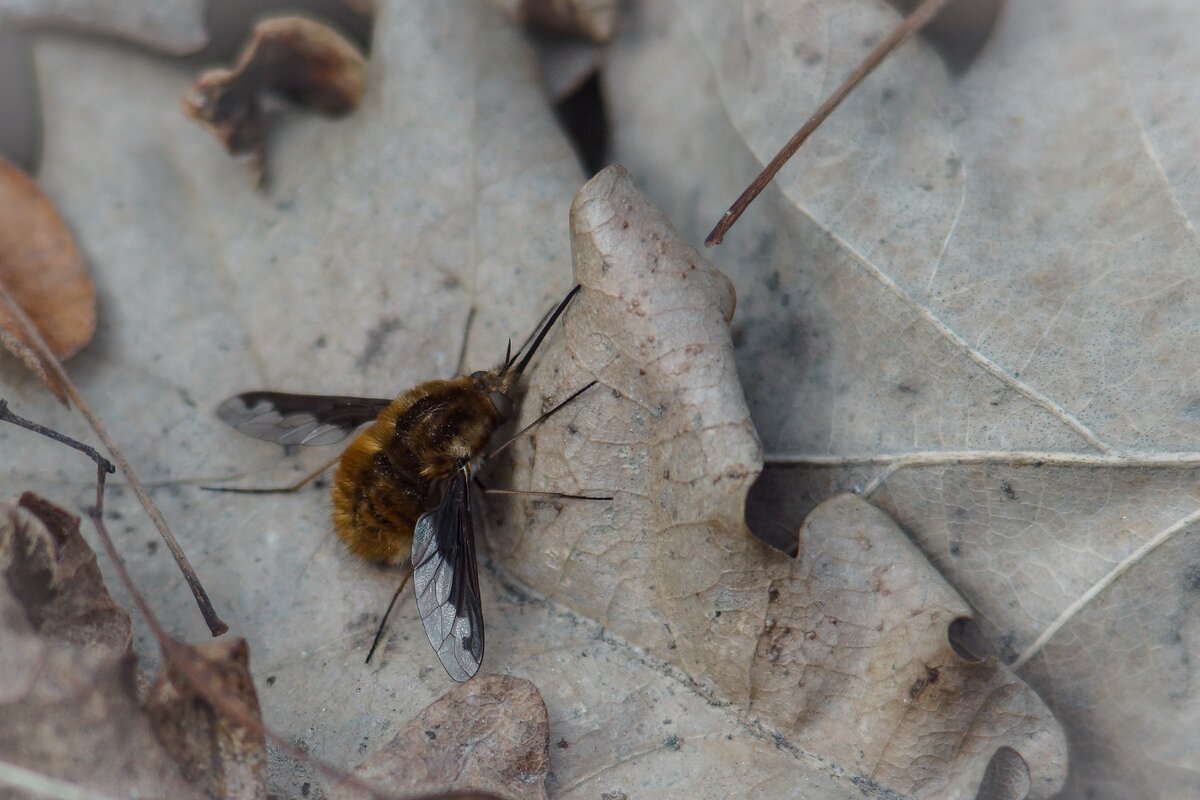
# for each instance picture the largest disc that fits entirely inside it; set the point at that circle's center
(1191, 578)
(377, 336)
(270, 680)
(1007, 490)
(672, 742)
(920, 684)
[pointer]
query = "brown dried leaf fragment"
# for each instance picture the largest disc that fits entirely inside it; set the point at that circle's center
(490, 734)
(69, 701)
(846, 650)
(52, 573)
(42, 270)
(595, 20)
(68, 698)
(214, 752)
(303, 61)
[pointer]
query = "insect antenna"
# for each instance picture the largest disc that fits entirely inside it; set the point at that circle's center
(383, 622)
(545, 329)
(529, 338)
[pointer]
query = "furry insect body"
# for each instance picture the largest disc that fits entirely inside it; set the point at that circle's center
(402, 490)
(390, 474)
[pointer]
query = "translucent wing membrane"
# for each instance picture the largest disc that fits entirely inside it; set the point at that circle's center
(299, 418)
(446, 580)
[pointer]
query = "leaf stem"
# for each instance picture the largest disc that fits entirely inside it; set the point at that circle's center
(913, 23)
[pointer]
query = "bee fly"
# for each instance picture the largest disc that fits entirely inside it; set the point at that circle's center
(401, 493)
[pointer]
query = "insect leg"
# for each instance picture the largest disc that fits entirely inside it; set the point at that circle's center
(557, 495)
(462, 352)
(383, 622)
(295, 487)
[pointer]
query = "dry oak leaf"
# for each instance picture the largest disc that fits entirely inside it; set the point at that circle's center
(489, 734)
(970, 299)
(276, 290)
(43, 271)
(845, 649)
(170, 26)
(301, 60)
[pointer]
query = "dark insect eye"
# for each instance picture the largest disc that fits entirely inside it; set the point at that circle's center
(479, 375)
(503, 405)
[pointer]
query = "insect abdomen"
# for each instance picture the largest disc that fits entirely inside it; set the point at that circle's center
(372, 511)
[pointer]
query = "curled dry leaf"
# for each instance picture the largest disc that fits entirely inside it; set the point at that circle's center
(488, 734)
(50, 570)
(303, 61)
(595, 20)
(846, 648)
(68, 698)
(171, 26)
(69, 705)
(215, 753)
(42, 269)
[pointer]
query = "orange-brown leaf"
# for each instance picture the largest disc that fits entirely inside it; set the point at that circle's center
(43, 271)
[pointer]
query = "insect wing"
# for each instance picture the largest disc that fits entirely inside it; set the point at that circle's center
(299, 418)
(446, 581)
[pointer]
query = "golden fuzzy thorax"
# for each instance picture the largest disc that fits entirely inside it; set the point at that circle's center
(388, 475)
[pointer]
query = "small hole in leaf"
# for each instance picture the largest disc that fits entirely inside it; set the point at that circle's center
(960, 31)
(968, 641)
(584, 117)
(781, 498)
(1006, 777)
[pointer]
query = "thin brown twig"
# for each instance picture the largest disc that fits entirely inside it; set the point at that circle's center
(913, 23)
(34, 339)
